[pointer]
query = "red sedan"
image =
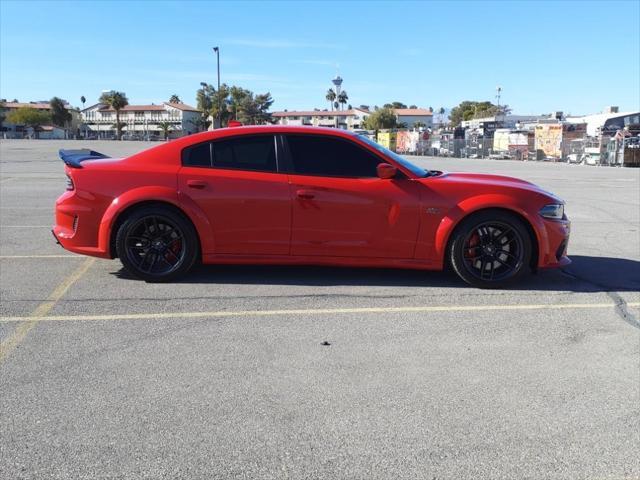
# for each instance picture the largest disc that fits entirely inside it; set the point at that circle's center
(296, 195)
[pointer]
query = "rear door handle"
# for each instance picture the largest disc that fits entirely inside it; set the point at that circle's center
(199, 184)
(305, 194)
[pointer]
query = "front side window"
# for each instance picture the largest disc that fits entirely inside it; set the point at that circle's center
(330, 157)
(239, 153)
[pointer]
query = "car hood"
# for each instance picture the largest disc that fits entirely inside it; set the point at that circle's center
(480, 180)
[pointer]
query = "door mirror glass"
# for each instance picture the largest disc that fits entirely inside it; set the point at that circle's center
(386, 171)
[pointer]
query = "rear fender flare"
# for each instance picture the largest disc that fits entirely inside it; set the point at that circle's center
(157, 194)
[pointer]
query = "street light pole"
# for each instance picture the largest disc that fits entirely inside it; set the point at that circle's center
(217, 50)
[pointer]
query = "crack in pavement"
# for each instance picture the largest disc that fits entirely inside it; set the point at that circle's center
(621, 307)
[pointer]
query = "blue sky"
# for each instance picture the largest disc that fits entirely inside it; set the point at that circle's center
(572, 56)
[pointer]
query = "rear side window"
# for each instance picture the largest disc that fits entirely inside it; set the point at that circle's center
(255, 153)
(330, 157)
(197, 156)
(246, 153)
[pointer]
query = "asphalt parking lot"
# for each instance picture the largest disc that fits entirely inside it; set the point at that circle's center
(224, 375)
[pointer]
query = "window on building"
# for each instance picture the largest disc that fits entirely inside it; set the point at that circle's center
(330, 157)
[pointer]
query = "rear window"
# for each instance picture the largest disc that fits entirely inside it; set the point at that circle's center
(254, 153)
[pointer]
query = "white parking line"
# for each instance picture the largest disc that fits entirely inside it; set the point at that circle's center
(316, 311)
(24, 226)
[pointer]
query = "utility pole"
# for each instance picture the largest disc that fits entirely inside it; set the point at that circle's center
(217, 50)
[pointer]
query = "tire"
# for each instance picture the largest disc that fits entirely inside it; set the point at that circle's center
(491, 249)
(157, 244)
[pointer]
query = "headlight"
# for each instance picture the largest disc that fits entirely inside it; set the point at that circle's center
(555, 211)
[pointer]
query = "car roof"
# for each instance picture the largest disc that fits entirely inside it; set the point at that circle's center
(258, 129)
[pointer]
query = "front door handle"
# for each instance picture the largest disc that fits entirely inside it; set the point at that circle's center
(305, 194)
(199, 184)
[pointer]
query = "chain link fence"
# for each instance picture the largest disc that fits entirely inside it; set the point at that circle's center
(551, 143)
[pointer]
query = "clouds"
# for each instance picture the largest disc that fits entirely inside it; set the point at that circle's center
(277, 44)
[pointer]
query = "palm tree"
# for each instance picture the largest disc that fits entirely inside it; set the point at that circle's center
(175, 98)
(342, 98)
(82, 100)
(117, 101)
(166, 127)
(330, 97)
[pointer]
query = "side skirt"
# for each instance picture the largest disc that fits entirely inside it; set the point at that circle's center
(318, 260)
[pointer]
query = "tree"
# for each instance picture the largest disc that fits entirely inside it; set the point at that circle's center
(430, 109)
(343, 98)
(330, 97)
(117, 101)
(29, 117)
(237, 102)
(174, 99)
(59, 114)
(82, 100)
(2, 115)
(394, 105)
(381, 118)
(413, 106)
(468, 110)
(364, 107)
(166, 127)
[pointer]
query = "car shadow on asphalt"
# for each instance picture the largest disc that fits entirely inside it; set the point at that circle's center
(585, 274)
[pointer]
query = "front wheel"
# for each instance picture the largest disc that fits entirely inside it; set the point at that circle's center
(491, 249)
(157, 244)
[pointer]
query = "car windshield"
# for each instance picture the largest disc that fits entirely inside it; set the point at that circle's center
(420, 172)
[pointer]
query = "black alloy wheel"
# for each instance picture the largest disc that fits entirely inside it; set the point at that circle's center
(491, 249)
(156, 244)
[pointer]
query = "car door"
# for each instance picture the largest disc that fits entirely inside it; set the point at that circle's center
(340, 206)
(235, 181)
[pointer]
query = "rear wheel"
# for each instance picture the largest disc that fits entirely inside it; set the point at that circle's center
(157, 244)
(491, 249)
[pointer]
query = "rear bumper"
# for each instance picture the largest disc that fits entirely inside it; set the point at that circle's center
(77, 225)
(555, 252)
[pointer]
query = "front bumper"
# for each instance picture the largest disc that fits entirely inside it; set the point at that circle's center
(554, 254)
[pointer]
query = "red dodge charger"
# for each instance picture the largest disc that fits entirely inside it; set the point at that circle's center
(296, 195)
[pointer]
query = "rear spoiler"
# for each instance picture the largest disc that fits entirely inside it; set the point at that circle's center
(73, 158)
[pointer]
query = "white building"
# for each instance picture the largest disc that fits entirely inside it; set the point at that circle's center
(141, 121)
(608, 122)
(506, 121)
(350, 119)
(411, 116)
(346, 119)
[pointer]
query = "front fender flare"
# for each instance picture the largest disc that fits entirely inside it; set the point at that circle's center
(483, 202)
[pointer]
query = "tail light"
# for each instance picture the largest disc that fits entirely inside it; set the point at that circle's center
(70, 185)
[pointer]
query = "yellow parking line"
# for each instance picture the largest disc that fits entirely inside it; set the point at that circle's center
(7, 346)
(315, 311)
(6, 257)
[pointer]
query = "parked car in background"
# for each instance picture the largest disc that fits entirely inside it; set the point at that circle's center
(299, 195)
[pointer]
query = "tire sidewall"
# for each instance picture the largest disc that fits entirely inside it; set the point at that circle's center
(189, 235)
(456, 249)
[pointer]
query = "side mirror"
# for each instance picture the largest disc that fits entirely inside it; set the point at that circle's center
(386, 171)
